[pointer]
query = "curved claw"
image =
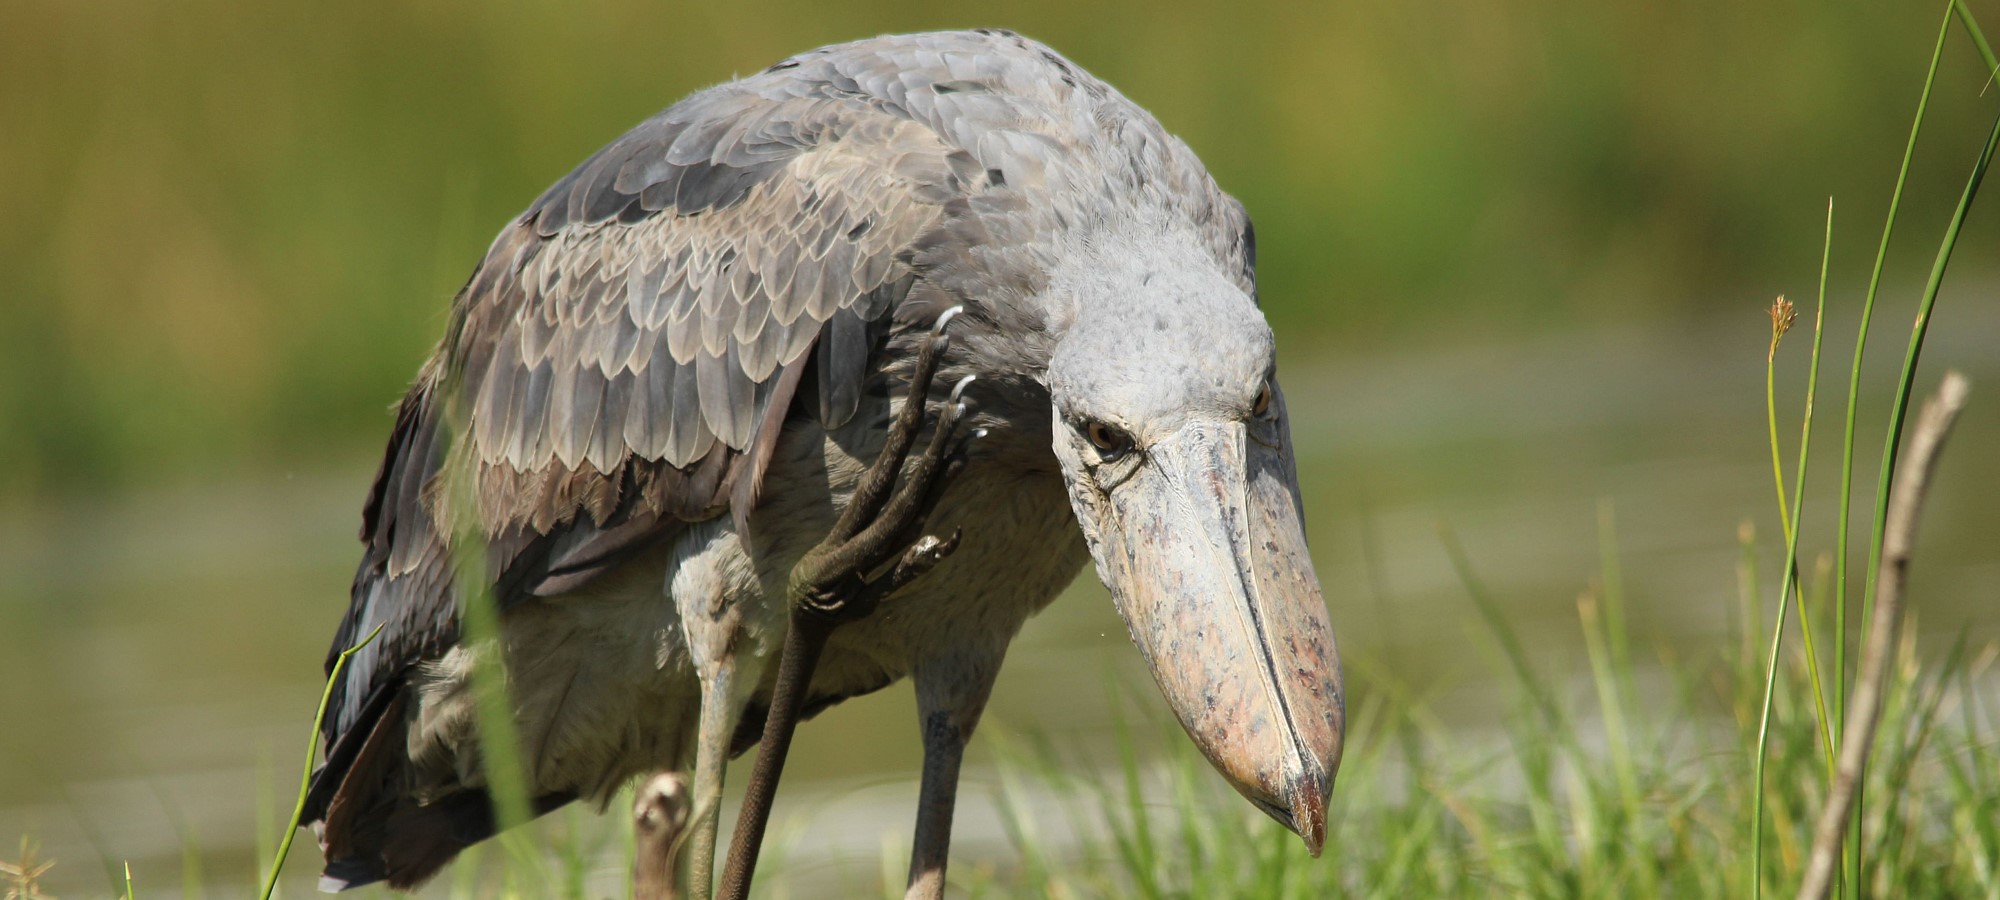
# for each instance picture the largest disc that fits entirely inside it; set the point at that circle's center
(958, 390)
(944, 318)
(922, 556)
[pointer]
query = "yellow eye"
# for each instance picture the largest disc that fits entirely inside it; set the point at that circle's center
(1109, 441)
(1263, 404)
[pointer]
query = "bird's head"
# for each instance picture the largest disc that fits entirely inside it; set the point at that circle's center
(1171, 432)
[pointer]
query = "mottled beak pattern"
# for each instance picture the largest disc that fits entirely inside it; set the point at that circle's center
(1204, 552)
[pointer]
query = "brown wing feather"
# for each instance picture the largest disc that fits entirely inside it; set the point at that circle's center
(626, 322)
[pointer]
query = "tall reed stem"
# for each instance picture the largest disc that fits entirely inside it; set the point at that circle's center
(1847, 437)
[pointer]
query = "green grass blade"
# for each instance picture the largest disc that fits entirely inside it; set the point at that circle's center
(1906, 380)
(305, 780)
(1860, 345)
(1975, 792)
(1790, 582)
(1771, 414)
(1798, 500)
(1892, 440)
(1847, 434)
(1544, 864)
(191, 866)
(1618, 637)
(499, 744)
(1598, 641)
(1138, 849)
(500, 758)
(1764, 740)
(1978, 37)
(1510, 643)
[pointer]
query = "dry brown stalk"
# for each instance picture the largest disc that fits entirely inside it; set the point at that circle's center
(1864, 707)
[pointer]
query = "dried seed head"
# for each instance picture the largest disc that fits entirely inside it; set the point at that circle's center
(23, 879)
(1783, 314)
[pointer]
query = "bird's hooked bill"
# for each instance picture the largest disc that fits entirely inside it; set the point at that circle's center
(1208, 566)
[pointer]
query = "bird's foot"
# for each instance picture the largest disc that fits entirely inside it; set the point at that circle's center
(659, 816)
(849, 573)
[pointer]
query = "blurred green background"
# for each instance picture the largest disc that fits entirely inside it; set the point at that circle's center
(1517, 253)
(231, 227)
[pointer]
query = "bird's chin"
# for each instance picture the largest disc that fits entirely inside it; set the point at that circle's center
(1206, 559)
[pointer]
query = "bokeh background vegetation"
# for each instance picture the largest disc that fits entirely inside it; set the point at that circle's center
(231, 227)
(229, 232)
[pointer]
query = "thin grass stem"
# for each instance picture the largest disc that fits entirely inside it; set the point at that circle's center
(1978, 37)
(493, 707)
(1861, 338)
(1847, 434)
(1764, 741)
(1781, 316)
(1598, 640)
(1771, 423)
(1510, 643)
(1906, 380)
(1614, 591)
(1798, 500)
(305, 780)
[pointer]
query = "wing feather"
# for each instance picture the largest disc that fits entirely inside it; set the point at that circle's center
(684, 424)
(525, 439)
(713, 377)
(608, 449)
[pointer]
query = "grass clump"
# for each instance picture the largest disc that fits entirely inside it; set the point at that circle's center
(1591, 788)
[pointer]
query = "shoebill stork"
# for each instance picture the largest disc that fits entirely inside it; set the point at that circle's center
(709, 400)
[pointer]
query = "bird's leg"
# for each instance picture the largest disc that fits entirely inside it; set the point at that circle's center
(658, 815)
(950, 696)
(711, 759)
(835, 582)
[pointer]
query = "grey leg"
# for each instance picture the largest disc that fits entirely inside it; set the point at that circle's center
(950, 697)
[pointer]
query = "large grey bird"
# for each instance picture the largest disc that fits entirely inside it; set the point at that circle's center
(660, 389)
